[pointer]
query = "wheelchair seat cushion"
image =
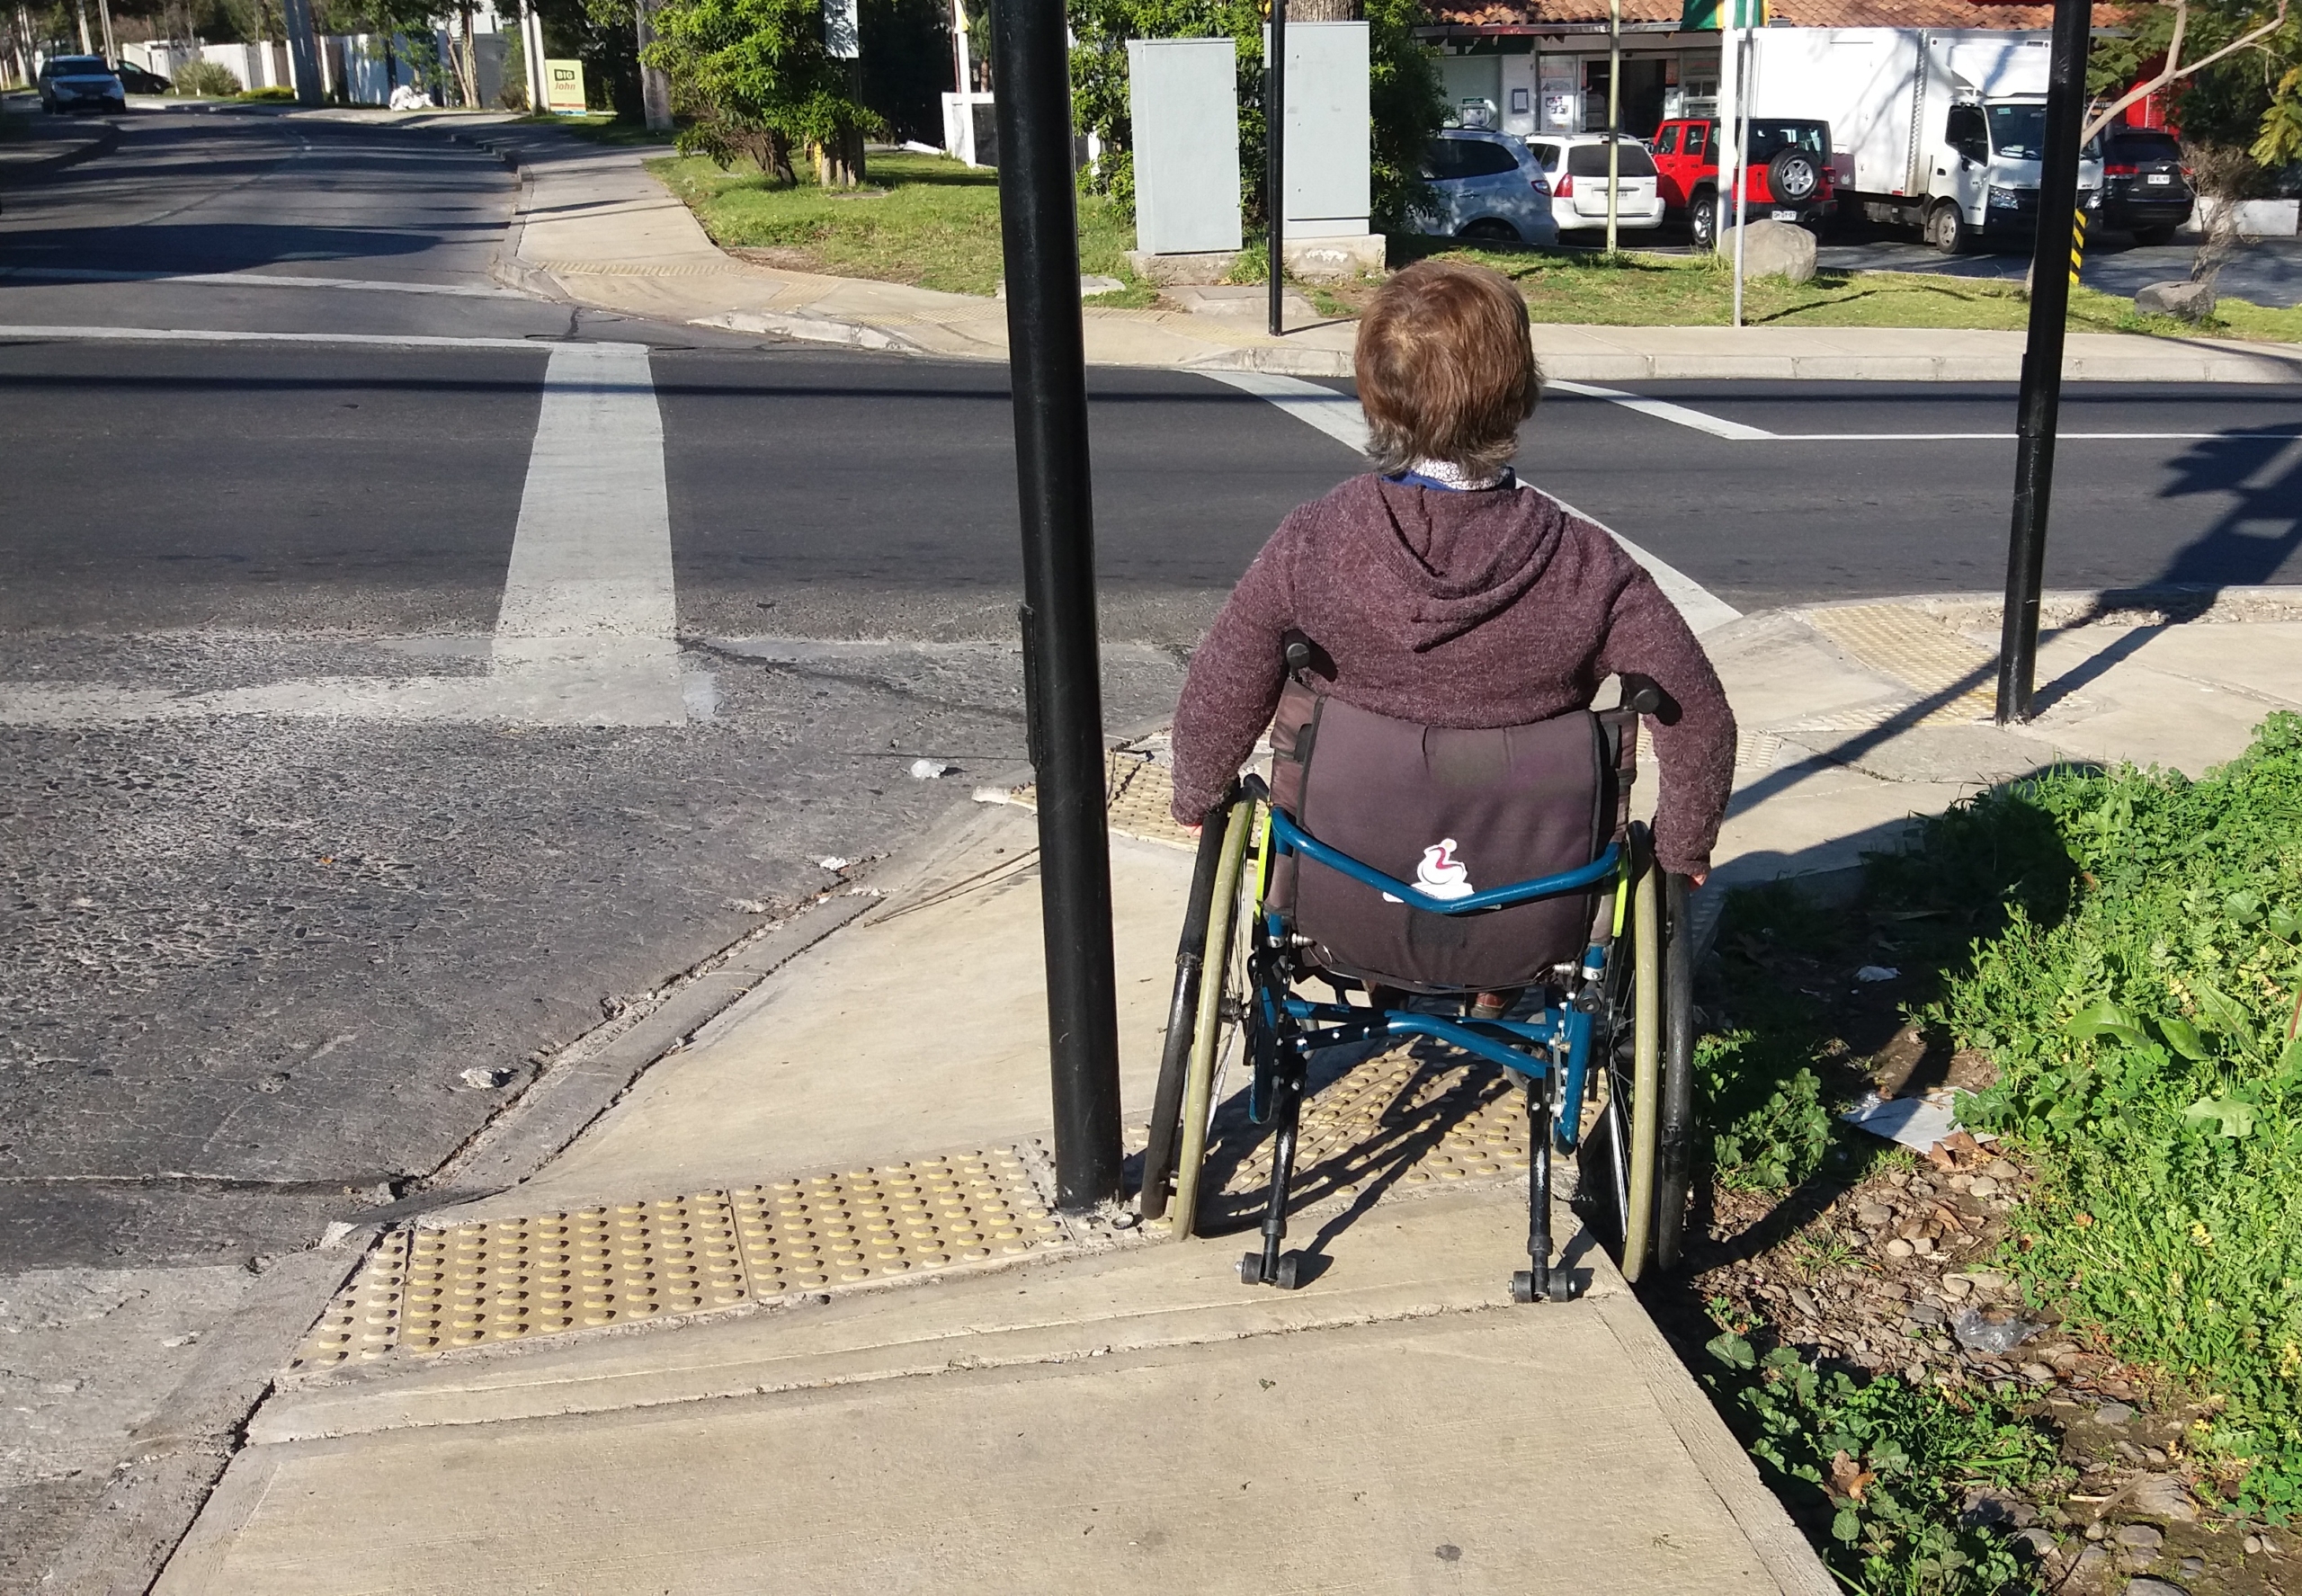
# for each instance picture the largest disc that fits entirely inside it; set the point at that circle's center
(1453, 812)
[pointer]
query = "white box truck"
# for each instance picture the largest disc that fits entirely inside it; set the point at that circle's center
(1938, 129)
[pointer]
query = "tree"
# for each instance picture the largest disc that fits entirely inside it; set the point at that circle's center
(2214, 31)
(1405, 100)
(756, 79)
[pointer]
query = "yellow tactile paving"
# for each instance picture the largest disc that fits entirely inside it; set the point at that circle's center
(429, 1291)
(1920, 652)
(1138, 790)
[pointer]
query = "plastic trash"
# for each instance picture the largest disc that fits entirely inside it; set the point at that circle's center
(929, 770)
(1994, 1338)
(1876, 972)
(833, 861)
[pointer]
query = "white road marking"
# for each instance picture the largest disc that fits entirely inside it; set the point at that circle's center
(1339, 416)
(586, 632)
(1664, 410)
(1336, 414)
(204, 335)
(254, 280)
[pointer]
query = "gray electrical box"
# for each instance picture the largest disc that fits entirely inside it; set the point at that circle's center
(1329, 174)
(1182, 96)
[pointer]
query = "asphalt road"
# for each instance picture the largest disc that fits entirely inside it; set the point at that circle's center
(285, 859)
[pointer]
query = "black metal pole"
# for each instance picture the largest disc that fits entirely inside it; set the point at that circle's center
(1062, 674)
(1274, 165)
(2035, 414)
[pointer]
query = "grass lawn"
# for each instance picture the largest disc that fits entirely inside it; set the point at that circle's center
(923, 219)
(1666, 291)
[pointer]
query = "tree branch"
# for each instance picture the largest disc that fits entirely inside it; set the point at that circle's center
(2175, 68)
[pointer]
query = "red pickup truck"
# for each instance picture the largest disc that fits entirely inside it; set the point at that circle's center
(1789, 167)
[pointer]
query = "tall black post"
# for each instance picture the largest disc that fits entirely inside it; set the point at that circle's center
(2034, 423)
(1274, 165)
(1062, 675)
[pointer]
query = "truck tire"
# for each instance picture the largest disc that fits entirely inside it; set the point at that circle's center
(1702, 220)
(1947, 230)
(1793, 176)
(2153, 235)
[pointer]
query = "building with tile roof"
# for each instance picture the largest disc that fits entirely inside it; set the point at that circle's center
(1531, 66)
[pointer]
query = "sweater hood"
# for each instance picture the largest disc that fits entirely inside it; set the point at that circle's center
(1454, 560)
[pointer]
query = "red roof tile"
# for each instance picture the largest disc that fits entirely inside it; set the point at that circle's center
(1532, 15)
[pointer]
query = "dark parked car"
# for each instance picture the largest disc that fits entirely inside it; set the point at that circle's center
(79, 82)
(137, 81)
(2146, 190)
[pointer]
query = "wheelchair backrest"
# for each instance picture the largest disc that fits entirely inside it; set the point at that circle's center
(1454, 812)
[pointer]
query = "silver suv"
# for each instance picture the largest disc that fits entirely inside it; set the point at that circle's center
(1484, 186)
(79, 82)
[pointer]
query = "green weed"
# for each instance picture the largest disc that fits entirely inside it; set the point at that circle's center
(2137, 954)
(1879, 1470)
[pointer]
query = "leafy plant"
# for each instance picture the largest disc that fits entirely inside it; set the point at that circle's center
(1879, 1470)
(756, 78)
(2144, 1031)
(205, 79)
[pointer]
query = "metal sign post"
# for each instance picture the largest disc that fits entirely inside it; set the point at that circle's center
(1274, 165)
(2041, 398)
(1062, 674)
(1614, 118)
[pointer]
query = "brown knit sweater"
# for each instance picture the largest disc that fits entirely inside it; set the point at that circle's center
(1478, 608)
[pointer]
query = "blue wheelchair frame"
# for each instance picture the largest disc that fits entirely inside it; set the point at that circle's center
(1551, 1051)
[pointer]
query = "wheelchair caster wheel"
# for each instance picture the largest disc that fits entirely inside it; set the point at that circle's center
(1251, 1269)
(1522, 1285)
(1557, 1288)
(1562, 1290)
(1289, 1264)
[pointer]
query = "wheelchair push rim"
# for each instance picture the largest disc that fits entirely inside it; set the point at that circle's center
(1212, 1032)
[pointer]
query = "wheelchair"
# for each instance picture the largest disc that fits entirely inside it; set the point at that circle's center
(1593, 945)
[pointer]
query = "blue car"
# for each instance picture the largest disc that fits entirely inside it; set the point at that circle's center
(1485, 186)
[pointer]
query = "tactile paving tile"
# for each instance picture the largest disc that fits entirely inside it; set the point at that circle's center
(1398, 1120)
(1918, 650)
(427, 1291)
(1136, 791)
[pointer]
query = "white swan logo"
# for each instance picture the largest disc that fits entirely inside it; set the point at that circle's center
(1440, 874)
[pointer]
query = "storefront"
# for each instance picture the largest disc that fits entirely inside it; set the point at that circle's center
(1554, 80)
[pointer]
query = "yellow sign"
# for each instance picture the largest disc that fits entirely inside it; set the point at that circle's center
(563, 87)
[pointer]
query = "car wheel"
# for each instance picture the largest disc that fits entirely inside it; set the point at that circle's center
(1793, 177)
(2153, 235)
(1947, 230)
(1702, 220)
(1490, 229)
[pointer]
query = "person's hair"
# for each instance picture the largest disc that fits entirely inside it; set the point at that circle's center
(1446, 371)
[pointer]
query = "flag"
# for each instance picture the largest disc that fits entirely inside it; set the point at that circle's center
(1711, 15)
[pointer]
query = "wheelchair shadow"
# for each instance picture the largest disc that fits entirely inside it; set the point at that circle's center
(1355, 1157)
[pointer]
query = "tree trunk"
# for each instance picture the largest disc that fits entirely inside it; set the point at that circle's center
(1323, 11)
(467, 63)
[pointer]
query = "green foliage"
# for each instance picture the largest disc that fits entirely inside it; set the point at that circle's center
(2248, 98)
(1405, 99)
(1758, 1087)
(755, 78)
(1879, 1469)
(205, 79)
(2141, 1026)
(274, 94)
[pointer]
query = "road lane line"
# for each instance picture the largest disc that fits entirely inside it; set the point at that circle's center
(586, 632)
(591, 558)
(1664, 410)
(61, 334)
(1339, 416)
(254, 278)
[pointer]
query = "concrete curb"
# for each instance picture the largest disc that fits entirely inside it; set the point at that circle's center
(103, 144)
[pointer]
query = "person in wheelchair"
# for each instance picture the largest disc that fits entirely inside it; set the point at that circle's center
(1435, 632)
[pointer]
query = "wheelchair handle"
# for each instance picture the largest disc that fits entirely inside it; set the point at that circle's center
(1641, 693)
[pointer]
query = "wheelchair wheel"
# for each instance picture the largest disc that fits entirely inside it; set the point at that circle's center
(1182, 1013)
(1639, 1161)
(1185, 1101)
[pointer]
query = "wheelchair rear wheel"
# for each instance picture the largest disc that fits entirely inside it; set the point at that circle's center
(1205, 1019)
(1635, 1166)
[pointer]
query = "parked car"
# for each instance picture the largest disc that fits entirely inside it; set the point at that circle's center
(2146, 188)
(79, 82)
(1788, 159)
(137, 81)
(1485, 185)
(1576, 166)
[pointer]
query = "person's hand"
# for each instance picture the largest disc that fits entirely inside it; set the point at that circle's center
(1697, 878)
(1192, 829)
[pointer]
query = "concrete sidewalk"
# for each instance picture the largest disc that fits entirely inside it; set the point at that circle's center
(595, 227)
(795, 1311)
